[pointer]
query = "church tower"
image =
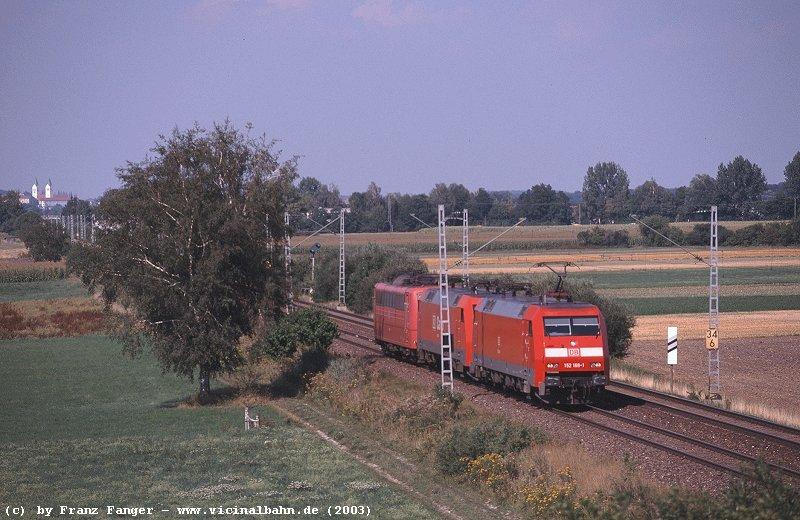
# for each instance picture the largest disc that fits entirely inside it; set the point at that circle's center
(35, 189)
(47, 189)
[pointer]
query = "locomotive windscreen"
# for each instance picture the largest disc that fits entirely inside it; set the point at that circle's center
(576, 326)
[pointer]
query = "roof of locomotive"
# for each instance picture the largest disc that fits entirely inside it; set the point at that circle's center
(454, 294)
(401, 288)
(516, 306)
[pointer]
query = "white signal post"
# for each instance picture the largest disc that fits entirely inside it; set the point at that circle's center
(444, 307)
(672, 354)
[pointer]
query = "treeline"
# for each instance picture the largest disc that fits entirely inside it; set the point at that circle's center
(739, 189)
(657, 231)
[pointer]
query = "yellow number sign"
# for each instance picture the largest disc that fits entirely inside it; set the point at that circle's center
(712, 340)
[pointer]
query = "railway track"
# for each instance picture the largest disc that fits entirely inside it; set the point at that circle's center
(741, 433)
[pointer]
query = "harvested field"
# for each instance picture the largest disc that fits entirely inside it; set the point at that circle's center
(629, 260)
(758, 370)
(11, 248)
(733, 325)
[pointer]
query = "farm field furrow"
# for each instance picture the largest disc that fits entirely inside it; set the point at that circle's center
(771, 384)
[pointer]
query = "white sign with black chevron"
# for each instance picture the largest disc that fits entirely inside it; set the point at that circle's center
(672, 345)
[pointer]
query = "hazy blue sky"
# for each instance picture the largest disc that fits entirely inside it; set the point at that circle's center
(406, 93)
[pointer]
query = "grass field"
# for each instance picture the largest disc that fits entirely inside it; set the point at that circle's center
(682, 277)
(81, 425)
(699, 304)
(45, 290)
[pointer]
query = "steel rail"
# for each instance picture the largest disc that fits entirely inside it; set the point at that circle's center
(712, 409)
(596, 424)
(693, 440)
(344, 316)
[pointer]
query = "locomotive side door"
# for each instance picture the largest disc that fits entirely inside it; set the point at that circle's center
(527, 339)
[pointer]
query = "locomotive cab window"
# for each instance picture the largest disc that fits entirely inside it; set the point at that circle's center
(583, 326)
(556, 327)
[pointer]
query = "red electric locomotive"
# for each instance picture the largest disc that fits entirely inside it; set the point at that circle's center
(394, 309)
(556, 348)
(462, 317)
(547, 345)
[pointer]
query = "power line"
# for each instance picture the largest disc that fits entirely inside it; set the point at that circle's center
(696, 257)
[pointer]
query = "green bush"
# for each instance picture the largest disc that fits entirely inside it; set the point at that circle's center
(759, 494)
(364, 268)
(660, 225)
(599, 237)
(771, 234)
(44, 240)
(468, 442)
(303, 330)
(746, 236)
(700, 235)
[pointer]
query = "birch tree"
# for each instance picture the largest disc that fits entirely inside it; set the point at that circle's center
(189, 248)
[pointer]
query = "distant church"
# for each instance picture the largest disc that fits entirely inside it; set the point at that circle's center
(47, 198)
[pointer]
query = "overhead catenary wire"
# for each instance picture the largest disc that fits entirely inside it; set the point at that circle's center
(693, 255)
(520, 221)
(317, 232)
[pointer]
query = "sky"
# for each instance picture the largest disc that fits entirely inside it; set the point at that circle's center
(405, 93)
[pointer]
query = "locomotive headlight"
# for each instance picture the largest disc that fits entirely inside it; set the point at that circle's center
(552, 366)
(596, 364)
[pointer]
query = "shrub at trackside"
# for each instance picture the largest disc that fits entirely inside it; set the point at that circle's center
(365, 266)
(304, 336)
(468, 442)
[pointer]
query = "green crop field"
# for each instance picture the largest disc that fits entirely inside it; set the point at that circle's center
(81, 425)
(687, 277)
(699, 304)
(43, 290)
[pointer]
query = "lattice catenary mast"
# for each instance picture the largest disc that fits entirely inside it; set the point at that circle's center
(287, 260)
(444, 306)
(341, 259)
(712, 340)
(465, 246)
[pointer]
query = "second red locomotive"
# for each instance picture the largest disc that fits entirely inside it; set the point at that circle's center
(544, 345)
